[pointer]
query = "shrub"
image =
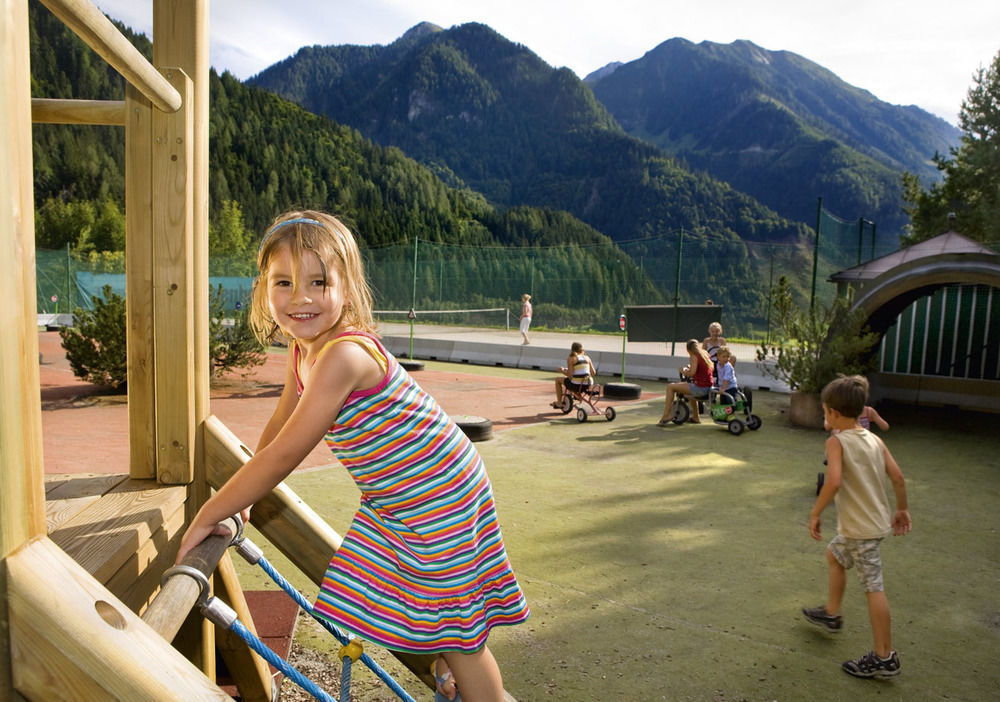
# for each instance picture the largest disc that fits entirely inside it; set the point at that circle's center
(816, 344)
(95, 346)
(231, 345)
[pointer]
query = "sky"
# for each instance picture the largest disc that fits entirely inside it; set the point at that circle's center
(916, 52)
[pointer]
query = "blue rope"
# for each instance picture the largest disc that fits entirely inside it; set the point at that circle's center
(345, 680)
(342, 638)
(279, 663)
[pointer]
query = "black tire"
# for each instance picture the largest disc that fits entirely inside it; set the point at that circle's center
(567, 403)
(411, 364)
(622, 391)
(476, 428)
(682, 412)
(748, 394)
(609, 414)
(735, 426)
(753, 422)
(581, 414)
(819, 482)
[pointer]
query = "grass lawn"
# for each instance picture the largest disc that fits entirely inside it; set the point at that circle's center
(671, 563)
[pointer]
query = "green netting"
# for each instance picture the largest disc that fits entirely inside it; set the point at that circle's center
(572, 286)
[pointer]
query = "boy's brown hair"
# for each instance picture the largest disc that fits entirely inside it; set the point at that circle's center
(848, 395)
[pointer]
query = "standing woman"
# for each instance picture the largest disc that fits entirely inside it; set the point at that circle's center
(712, 343)
(699, 370)
(525, 317)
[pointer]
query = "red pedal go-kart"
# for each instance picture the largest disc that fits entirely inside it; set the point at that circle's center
(586, 401)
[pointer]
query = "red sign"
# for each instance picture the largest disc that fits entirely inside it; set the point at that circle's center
(412, 314)
(621, 322)
(54, 298)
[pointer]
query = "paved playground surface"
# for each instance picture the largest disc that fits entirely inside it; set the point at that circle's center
(665, 563)
(86, 431)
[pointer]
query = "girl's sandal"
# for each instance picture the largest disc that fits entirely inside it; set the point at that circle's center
(442, 680)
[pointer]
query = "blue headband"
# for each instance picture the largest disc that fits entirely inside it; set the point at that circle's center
(294, 220)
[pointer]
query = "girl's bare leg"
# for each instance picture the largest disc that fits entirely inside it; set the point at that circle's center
(477, 675)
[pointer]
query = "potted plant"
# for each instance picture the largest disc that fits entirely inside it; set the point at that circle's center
(815, 345)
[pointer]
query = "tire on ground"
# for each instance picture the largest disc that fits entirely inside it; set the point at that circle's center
(622, 391)
(476, 428)
(411, 364)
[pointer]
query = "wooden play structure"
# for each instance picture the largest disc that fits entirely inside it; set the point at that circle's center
(82, 557)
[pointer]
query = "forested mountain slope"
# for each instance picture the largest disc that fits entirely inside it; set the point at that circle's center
(466, 101)
(777, 126)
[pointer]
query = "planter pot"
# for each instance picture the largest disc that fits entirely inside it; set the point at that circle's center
(805, 410)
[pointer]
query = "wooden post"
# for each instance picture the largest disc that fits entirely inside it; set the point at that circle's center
(22, 499)
(180, 29)
(139, 283)
(173, 295)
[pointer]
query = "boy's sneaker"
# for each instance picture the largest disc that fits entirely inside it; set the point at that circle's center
(871, 666)
(819, 617)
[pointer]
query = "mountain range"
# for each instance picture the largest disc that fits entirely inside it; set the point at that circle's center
(775, 125)
(709, 121)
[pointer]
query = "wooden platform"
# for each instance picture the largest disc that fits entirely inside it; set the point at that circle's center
(124, 532)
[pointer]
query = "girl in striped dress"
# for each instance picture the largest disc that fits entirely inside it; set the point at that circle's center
(422, 567)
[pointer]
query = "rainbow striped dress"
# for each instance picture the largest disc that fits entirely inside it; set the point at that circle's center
(422, 567)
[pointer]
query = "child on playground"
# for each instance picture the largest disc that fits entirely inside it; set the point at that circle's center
(712, 343)
(858, 462)
(699, 370)
(578, 373)
(422, 568)
(726, 376)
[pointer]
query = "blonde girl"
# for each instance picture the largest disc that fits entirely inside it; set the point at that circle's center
(699, 370)
(422, 568)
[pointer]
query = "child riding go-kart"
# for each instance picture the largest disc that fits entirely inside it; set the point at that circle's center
(726, 409)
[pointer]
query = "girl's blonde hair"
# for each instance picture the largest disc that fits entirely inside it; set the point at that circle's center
(334, 246)
(694, 346)
(713, 326)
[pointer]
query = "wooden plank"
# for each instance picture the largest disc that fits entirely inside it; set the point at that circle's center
(90, 24)
(57, 111)
(105, 535)
(250, 671)
(173, 301)
(71, 639)
(138, 580)
(65, 496)
(22, 500)
(139, 284)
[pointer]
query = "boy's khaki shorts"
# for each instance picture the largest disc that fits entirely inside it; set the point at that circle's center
(863, 554)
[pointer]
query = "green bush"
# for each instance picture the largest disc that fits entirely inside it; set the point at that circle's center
(95, 346)
(816, 344)
(231, 345)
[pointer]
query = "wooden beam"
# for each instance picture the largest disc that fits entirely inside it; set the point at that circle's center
(173, 294)
(22, 499)
(139, 284)
(52, 111)
(250, 672)
(97, 31)
(71, 639)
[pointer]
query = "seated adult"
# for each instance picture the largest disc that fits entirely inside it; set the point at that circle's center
(699, 370)
(578, 373)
